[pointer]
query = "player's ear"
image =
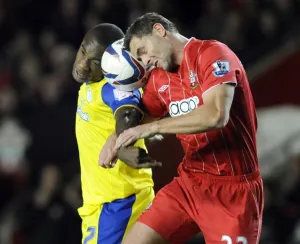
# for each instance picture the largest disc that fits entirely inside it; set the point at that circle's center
(159, 30)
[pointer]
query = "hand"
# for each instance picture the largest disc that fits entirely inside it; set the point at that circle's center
(137, 158)
(131, 135)
(108, 155)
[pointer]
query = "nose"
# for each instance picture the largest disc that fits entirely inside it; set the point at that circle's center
(83, 64)
(146, 60)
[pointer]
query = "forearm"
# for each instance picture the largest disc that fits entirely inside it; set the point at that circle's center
(148, 119)
(202, 119)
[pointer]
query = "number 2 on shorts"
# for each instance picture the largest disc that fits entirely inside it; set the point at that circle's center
(239, 239)
(90, 236)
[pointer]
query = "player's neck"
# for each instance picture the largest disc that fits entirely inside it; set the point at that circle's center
(179, 41)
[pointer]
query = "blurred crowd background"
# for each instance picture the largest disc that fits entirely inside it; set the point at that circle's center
(39, 168)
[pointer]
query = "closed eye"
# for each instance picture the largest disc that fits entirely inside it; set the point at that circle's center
(96, 61)
(140, 51)
(82, 49)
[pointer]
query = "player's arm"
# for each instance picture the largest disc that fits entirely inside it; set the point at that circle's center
(213, 114)
(136, 157)
(127, 112)
(145, 109)
(218, 68)
(217, 99)
(127, 117)
(131, 115)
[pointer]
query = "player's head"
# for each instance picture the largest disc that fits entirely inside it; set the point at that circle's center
(87, 65)
(148, 38)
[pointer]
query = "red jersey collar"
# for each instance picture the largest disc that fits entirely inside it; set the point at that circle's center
(189, 41)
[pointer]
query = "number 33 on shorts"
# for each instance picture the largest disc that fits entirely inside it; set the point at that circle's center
(239, 240)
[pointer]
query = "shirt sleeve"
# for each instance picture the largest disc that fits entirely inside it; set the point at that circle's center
(152, 102)
(116, 99)
(218, 65)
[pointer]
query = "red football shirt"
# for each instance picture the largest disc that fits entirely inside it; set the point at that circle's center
(227, 151)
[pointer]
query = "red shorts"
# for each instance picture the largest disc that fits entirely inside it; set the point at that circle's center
(223, 208)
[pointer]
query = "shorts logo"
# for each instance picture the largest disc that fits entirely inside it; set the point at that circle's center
(184, 106)
(221, 68)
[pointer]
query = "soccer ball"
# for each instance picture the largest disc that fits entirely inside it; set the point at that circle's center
(121, 69)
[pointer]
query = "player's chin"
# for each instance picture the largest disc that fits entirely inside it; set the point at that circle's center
(80, 78)
(76, 77)
(166, 66)
(96, 78)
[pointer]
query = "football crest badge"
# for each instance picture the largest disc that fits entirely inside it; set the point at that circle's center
(193, 82)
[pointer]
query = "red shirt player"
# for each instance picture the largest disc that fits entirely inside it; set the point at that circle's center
(219, 189)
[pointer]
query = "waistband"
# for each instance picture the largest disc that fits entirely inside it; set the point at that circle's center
(253, 176)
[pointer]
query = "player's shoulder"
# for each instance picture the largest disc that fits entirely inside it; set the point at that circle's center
(157, 78)
(83, 86)
(107, 88)
(159, 75)
(107, 93)
(90, 87)
(110, 94)
(199, 47)
(157, 72)
(213, 46)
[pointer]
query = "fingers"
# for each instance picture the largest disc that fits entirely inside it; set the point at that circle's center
(128, 142)
(108, 154)
(145, 161)
(102, 158)
(120, 141)
(152, 164)
(113, 162)
(110, 164)
(106, 160)
(125, 139)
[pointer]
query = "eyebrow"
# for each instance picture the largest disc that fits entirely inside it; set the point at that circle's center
(94, 58)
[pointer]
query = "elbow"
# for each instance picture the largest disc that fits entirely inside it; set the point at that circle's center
(219, 120)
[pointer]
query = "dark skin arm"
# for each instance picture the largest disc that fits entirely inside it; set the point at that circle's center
(126, 117)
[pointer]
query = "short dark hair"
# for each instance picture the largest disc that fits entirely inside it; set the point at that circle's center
(105, 34)
(143, 26)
